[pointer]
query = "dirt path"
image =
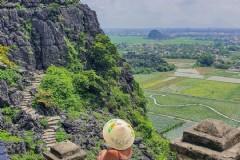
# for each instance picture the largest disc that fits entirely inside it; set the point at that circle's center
(202, 105)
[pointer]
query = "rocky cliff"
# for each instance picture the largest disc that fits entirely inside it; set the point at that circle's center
(35, 30)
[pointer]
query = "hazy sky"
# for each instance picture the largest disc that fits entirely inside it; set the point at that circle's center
(166, 13)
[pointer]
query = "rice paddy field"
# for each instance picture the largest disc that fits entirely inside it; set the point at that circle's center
(189, 86)
(179, 92)
(142, 39)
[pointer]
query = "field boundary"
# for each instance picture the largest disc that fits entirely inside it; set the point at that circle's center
(220, 100)
(185, 105)
(177, 118)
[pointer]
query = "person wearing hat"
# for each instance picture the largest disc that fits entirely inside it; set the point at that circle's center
(119, 137)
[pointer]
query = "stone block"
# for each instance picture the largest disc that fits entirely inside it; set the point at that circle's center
(65, 151)
(209, 140)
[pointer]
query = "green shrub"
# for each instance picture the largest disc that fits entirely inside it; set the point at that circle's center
(10, 76)
(44, 122)
(20, 7)
(61, 135)
(27, 156)
(6, 136)
(28, 140)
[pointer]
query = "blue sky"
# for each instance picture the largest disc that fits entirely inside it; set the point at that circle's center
(166, 13)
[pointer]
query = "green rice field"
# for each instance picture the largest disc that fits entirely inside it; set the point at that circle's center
(142, 39)
(189, 86)
(187, 107)
(169, 123)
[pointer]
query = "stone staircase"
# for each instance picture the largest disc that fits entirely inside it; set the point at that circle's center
(25, 104)
(49, 135)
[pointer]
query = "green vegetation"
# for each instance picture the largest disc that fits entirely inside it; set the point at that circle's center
(10, 76)
(187, 107)
(44, 122)
(164, 124)
(177, 132)
(147, 63)
(104, 56)
(9, 113)
(6, 136)
(99, 88)
(143, 40)
(205, 60)
(20, 7)
(4, 56)
(74, 65)
(182, 63)
(28, 156)
(61, 135)
(195, 87)
(2, 1)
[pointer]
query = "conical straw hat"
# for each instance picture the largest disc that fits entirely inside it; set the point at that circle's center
(118, 134)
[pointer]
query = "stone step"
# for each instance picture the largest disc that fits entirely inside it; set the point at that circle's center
(50, 142)
(48, 136)
(34, 117)
(48, 130)
(26, 93)
(53, 127)
(23, 107)
(55, 122)
(50, 145)
(31, 112)
(36, 82)
(41, 116)
(27, 110)
(24, 104)
(49, 119)
(27, 99)
(49, 139)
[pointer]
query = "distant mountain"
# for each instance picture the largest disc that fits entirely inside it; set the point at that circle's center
(156, 35)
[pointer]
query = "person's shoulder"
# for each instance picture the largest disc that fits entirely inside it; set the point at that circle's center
(112, 151)
(111, 154)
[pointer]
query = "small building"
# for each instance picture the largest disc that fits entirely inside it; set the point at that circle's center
(208, 140)
(65, 151)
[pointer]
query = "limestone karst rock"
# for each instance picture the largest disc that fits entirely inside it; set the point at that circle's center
(35, 30)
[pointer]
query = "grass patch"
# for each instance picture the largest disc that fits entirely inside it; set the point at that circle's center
(6, 136)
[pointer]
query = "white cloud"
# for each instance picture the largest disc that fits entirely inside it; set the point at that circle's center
(166, 13)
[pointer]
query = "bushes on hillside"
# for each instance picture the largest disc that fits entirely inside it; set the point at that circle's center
(4, 55)
(10, 76)
(147, 63)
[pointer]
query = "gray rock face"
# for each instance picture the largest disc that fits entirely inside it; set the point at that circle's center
(35, 32)
(4, 98)
(16, 97)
